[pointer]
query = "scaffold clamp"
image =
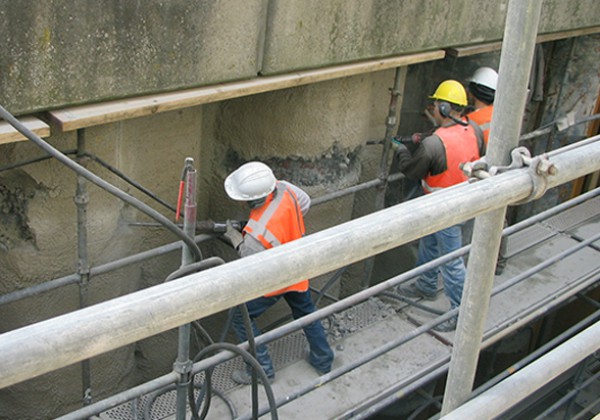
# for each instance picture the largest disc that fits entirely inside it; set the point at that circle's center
(539, 170)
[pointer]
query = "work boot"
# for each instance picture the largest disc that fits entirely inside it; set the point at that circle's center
(243, 377)
(447, 326)
(412, 291)
(319, 371)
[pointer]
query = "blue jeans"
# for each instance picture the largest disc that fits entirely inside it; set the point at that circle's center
(453, 272)
(321, 355)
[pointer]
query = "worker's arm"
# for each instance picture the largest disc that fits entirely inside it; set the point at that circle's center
(428, 158)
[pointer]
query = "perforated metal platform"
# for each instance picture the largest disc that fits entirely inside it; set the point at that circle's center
(283, 352)
(369, 325)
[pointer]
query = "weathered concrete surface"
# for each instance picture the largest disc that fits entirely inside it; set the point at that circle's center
(64, 52)
(570, 94)
(313, 135)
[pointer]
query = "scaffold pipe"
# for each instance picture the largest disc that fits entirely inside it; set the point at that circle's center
(70, 338)
(517, 387)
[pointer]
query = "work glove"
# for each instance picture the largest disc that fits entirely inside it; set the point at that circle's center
(233, 236)
(407, 142)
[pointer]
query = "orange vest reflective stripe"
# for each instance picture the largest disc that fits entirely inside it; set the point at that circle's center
(277, 222)
(460, 143)
(483, 118)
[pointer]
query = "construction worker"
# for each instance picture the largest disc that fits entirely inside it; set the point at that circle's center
(435, 161)
(277, 210)
(481, 91)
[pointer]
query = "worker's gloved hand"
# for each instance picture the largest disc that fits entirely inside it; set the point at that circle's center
(401, 143)
(417, 137)
(233, 236)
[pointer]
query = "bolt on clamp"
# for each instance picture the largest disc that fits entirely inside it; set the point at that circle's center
(539, 169)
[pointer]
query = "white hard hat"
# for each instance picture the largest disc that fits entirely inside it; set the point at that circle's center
(251, 181)
(485, 76)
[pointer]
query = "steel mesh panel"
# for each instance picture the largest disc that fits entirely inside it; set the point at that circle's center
(574, 216)
(283, 351)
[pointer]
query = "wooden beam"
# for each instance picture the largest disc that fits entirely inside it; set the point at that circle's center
(8, 134)
(494, 46)
(107, 112)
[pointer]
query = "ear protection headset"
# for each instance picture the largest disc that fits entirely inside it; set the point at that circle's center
(444, 109)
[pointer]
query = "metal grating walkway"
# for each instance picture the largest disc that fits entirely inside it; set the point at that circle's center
(371, 324)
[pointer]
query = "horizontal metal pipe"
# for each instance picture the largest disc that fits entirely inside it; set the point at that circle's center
(347, 191)
(514, 389)
(543, 307)
(404, 388)
(95, 271)
(123, 397)
(338, 306)
(82, 334)
(569, 333)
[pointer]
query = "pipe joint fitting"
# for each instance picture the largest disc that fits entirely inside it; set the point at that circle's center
(539, 170)
(80, 199)
(183, 368)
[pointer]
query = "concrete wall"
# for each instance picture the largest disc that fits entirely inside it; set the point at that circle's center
(63, 52)
(66, 52)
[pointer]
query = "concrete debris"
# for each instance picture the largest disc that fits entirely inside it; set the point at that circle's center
(341, 324)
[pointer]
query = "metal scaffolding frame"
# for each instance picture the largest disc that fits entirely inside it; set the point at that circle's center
(174, 304)
(575, 164)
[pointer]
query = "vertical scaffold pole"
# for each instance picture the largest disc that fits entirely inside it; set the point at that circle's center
(515, 63)
(384, 166)
(183, 364)
(83, 266)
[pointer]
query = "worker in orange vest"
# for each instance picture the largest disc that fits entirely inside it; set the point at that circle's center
(277, 210)
(435, 160)
(481, 91)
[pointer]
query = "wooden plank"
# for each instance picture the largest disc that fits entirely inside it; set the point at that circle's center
(473, 49)
(95, 114)
(8, 134)
(568, 34)
(494, 46)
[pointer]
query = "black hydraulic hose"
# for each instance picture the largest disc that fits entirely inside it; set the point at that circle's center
(129, 180)
(195, 267)
(80, 170)
(226, 400)
(183, 271)
(34, 160)
(206, 394)
(248, 359)
(252, 345)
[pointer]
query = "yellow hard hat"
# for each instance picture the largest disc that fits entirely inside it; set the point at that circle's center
(451, 91)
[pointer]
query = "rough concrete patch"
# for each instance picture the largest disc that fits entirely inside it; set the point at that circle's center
(16, 190)
(332, 166)
(357, 317)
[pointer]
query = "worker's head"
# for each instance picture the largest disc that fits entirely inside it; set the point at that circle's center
(482, 85)
(252, 182)
(450, 98)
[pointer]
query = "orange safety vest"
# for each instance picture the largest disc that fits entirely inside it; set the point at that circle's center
(483, 118)
(277, 222)
(460, 143)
